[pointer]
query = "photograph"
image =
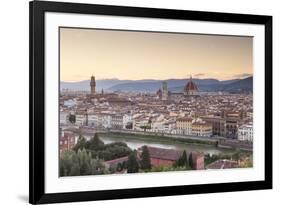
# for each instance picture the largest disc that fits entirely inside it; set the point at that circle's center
(148, 101)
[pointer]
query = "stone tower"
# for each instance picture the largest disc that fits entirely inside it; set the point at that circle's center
(93, 85)
(164, 90)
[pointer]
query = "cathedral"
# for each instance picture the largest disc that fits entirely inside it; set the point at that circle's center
(190, 89)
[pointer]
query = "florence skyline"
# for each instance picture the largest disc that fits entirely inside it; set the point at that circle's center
(130, 55)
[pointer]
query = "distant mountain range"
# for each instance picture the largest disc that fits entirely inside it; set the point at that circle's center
(174, 85)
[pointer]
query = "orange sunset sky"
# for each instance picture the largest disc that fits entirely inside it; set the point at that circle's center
(150, 55)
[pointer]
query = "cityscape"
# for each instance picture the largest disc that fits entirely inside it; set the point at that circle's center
(150, 124)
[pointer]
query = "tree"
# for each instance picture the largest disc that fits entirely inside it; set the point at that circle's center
(133, 166)
(80, 143)
(69, 164)
(190, 161)
(95, 143)
(72, 118)
(182, 161)
(80, 163)
(84, 162)
(145, 159)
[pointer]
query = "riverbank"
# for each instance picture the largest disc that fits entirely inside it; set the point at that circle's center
(159, 139)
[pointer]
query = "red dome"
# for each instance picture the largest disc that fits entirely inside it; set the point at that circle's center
(190, 87)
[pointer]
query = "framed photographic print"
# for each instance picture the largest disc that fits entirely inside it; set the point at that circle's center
(140, 102)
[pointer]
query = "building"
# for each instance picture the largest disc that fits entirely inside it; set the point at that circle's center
(198, 160)
(92, 119)
(202, 129)
(104, 121)
(93, 85)
(64, 117)
(190, 88)
(218, 124)
(162, 157)
(184, 126)
(164, 90)
(245, 133)
(67, 140)
(128, 121)
(117, 121)
(81, 117)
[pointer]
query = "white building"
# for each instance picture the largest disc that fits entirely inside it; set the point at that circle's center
(245, 133)
(105, 121)
(63, 117)
(117, 121)
(93, 120)
(127, 119)
(80, 119)
(140, 123)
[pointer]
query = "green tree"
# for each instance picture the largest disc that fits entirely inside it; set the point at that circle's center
(190, 161)
(133, 166)
(72, 118)
(145, 159)
(80, 163)
(80, 143)
(95, 143)
(84, 162)
(65, 162)
(182, 161)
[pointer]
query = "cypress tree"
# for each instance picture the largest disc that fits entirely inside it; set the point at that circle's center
(133, 166)
(145, 159)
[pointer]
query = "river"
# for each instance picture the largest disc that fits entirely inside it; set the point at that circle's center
(135, 143)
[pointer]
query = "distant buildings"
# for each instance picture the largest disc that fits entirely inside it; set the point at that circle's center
(184, 126)
(202, 129)
(93, 85)
(245, 133)
(164, 91)
(191, 88)
(165, 112)
(226, 124)
(67, 140)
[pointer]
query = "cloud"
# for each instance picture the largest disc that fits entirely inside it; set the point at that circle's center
(242, 75)
(199, 74)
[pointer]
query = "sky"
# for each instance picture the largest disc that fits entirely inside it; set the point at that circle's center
(131, 55)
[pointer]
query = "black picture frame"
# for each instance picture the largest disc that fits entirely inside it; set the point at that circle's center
(37, 82)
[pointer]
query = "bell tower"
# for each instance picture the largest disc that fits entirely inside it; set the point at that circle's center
(93, 85)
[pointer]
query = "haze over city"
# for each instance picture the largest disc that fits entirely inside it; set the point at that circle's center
(129, 55)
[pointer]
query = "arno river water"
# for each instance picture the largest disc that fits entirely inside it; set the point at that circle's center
(134, 143)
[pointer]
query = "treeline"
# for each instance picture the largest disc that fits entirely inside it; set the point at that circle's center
(88, 157)
(98, 149)
(80, 163)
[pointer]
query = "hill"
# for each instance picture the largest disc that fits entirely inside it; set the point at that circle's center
(174, 85)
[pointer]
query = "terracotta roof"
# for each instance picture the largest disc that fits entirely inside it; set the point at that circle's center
(168, 154)
(186, 119)
(190, 86)
(116, 161)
